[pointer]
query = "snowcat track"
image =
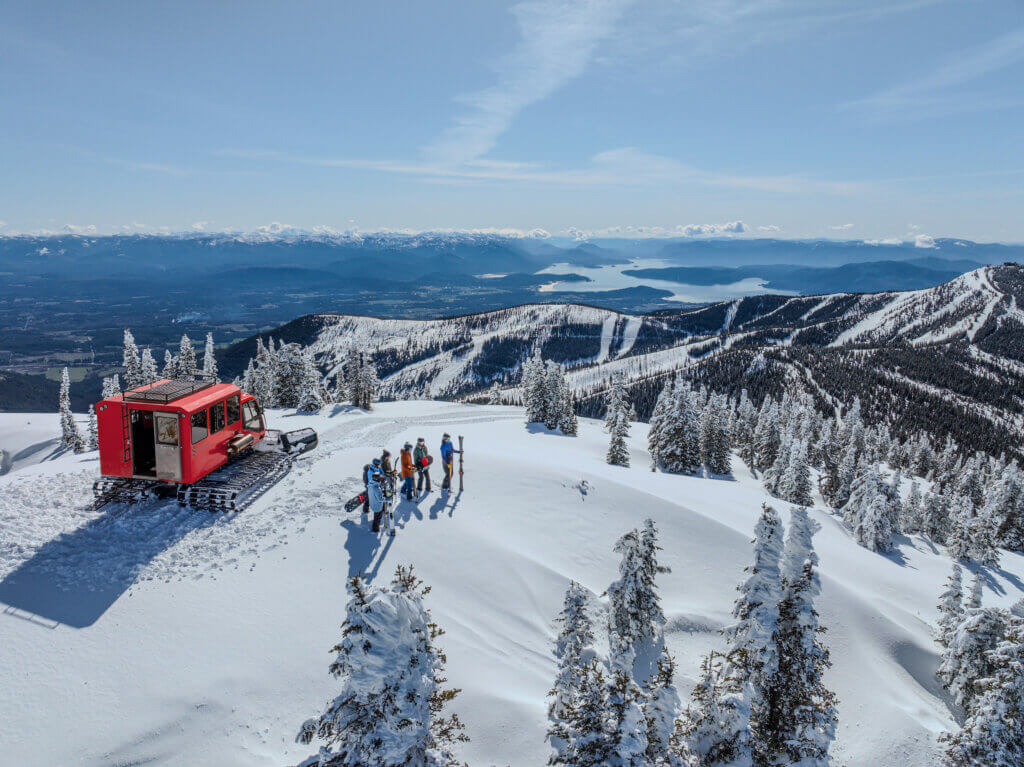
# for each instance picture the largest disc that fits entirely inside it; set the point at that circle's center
(236, 485)
(123, 490)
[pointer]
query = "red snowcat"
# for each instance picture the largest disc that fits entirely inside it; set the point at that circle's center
(205, 441)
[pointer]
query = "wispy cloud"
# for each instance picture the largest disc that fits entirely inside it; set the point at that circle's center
(558, 39)
(937, 93)
(841, 227)
(80, 229)
(626, 166)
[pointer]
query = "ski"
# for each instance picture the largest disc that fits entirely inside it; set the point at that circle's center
(460, 463)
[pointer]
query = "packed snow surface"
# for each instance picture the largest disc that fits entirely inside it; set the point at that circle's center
(154, 634)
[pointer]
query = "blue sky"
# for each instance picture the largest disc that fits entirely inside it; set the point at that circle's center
(865, 120)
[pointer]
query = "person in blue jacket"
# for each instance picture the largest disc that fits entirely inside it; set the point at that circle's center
(448, 452)
(371, 469)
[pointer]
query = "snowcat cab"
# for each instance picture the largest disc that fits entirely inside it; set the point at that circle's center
(207, 441)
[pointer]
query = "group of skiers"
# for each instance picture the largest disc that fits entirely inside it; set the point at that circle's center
(380, 476)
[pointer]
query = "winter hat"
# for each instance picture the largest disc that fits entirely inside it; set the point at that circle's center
(407, 445)
(376, 461)
(386, 453)
(446, 435)
(420, 439)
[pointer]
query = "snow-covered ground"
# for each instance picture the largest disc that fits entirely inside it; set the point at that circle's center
(159, 635)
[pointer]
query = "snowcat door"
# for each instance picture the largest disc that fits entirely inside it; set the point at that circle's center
(168, 447)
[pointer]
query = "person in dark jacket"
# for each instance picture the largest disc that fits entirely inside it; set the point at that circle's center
(385, 464)
(448, 452)
(419, 453)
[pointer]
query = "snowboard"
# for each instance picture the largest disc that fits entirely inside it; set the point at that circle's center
(354, 503)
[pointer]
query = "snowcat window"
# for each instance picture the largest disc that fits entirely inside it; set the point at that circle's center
(200, 426)
(233, 409)
(167, 430)
(217, 417)
(252, 421)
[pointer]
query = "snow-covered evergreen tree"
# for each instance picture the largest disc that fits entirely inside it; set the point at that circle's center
(656, 431)
(111, 386)
(714, 437)
(616, 423)
(951, 606)
(312, 395)
(92, 440)
(679, 451)
(494, 394)
(993, 733)
(801, 720)
(977, 591)
(147, 367)
(388, 711)
(869, 512)
(795, 483)
(966, 661)
(911, 520)
(586, 732)
(935, 517)
(716, 727)
(209, 359)
(187, 366)
(573, 652)
(132, 362)
(170, 365)
(534, 386)
(627, 731)
(635, 617)
(661, 709)
(70, 436)
(767, 435)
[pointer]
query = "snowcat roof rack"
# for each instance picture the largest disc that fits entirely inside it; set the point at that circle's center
(168, 391)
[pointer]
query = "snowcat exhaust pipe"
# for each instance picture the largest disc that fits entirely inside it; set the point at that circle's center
(240, 443)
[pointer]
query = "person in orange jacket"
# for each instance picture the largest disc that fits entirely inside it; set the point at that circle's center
(408, 471)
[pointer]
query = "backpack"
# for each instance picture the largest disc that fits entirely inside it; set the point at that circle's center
(366, 470)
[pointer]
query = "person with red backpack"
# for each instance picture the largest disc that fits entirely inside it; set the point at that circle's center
(421, 459)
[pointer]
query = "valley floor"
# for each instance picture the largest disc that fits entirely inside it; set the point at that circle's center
(160, 635)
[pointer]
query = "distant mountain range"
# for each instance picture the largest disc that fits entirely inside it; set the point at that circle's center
(65, 300)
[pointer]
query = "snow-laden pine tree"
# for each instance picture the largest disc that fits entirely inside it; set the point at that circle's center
(70, 436)
(795, 484)
(312, 395)
(111, 386)
(494, 394)
(187, 366)
(715, 444)
(935, 517)
(573, 652)
(993, 733)
(659, 416)
(911, 519)
(616, 423)
(951, 606)
(627, 731)
(170, 369)
(132, 362)
(802, 711)
(679, 452)
(635, 617)
(960, 540)
(977, 591)
(662, 708)
(753, 656)
(716, 726)
(552, 393)
(209, 359)
(92, 439)
(568, 424)
(147, 367)
(743, 428)
(869, 512)
(966, 660)
(767, 435)
(389, 709)
(586, 733)
(534, 388)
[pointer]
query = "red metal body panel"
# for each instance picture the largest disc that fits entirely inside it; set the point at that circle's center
(197, 459)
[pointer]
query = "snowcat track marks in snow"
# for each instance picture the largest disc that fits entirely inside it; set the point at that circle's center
(236, 485)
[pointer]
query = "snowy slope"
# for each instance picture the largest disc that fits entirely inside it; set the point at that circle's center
(160, 635)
